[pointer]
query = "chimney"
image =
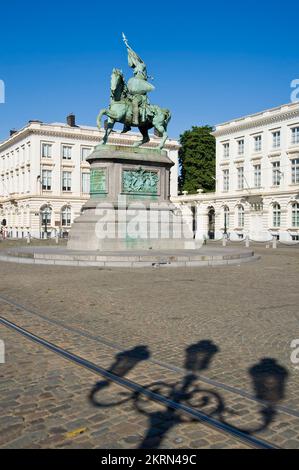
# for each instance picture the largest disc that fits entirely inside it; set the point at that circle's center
(71, 120)
(12, 132)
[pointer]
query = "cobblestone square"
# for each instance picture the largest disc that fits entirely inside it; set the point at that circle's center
(217, 339)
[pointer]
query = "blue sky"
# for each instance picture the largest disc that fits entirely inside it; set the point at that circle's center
(212, 61)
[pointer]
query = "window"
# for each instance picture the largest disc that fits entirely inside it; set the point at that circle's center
(258, 143)
(276, 215)
(276, 173)
(225, 180)
(85, 151)
(46, 150)
(241, 147)
(66, 152)
(295, 135)
(46, 180)
(257, 206)
(85, 183)
(226, 217)
(276, 139)
(66, 181)
(66, 217)
(295, 171)
(226, 150)
(295, 214)
(241, 178)
(46, 215)
(257, 176)
(241, 217)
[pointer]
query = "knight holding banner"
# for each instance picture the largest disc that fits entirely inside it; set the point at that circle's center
(129, 104)
(138, 86)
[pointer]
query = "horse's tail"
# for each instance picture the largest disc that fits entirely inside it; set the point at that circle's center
(99, 118)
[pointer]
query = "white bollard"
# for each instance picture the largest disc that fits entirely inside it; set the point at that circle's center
(224, 241)
(274, 243)
(28, 238)
(247, 242)
(56, 239)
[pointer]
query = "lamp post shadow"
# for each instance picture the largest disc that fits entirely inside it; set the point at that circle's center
(268, 380)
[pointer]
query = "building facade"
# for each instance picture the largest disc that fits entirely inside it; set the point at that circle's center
(44, 176)
(257, 179)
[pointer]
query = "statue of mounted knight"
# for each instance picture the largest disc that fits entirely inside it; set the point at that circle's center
(129, 103)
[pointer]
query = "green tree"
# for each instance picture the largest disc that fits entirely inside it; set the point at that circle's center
(197, 160)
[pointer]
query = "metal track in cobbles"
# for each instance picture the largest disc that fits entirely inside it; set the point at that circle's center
(162, 364)
(137, 388)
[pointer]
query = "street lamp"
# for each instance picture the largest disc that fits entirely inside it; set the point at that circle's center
(225, 222)
(46, 226)
(44, 221)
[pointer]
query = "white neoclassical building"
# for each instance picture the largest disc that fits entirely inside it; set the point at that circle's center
(257, 179)
(44, 176)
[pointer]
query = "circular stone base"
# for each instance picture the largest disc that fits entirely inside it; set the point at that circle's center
(205, 256)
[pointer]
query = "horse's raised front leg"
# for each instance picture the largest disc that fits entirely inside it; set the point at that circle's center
(102, 113)
(144, 132)
(109, 127)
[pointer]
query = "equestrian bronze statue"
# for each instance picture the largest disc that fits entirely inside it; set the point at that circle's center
(129, 103)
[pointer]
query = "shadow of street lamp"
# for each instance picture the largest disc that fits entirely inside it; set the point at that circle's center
(269, 380)
(199, 355)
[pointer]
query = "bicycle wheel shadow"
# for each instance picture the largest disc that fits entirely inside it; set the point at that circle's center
(268, 379)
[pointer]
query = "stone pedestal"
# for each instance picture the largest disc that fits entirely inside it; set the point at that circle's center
(129, 205)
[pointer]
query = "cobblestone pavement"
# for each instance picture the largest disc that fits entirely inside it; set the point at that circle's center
(247, 313)
(48, 405)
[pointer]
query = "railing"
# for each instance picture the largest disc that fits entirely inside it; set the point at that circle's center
(247, 241)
